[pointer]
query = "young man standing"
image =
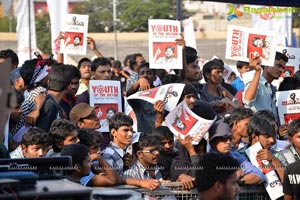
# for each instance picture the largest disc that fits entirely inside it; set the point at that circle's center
(59, 79)
(259, 94)
(120, 127)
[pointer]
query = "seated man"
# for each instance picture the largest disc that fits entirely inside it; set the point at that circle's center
(218, 177)
(63, 133)
(35, 143)
(220, 137)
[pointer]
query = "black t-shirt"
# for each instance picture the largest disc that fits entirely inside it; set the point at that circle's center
(291, 182)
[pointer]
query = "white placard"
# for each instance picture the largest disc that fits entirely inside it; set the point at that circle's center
(288, 103)
(163, 51)
(273, 184)
(106, 97)
(75, 29)
(245, 42)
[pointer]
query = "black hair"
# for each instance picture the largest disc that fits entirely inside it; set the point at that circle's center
(169, 47)
(78, 152)
(163, 132)
(266, 114)
(282, 56)
(170, 78)
(35, 136)
(112, 109)
(89, 137)
(288, 83)
(128, 57)
(214, 167)
(146, 64)
(75, 73)
(260, 126)
(8, 53)
(59, 78)
(240, 64)
(83, 60)
(117, 64)
(145, 140)
(297, 75)
(211, 65)
(255, 39)
(59, 130)
(27, 70)
(118, 120)
(100, 62)
(190, 54)
(188, 89)
(293, 127)
(137, 55)
(238, 114)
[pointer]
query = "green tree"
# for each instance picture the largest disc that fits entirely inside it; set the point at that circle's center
(134, 14)
(43, 33)
(100, 14)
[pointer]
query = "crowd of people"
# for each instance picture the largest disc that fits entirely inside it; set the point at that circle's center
(53, 117)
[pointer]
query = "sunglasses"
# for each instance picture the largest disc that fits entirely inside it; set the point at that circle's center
(92, 116)
(225, 138)
(152, 151)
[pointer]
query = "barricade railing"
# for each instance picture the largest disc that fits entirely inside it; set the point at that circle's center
(174, 190)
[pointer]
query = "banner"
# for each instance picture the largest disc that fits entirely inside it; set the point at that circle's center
(57, 11)
(288, 103)
(182, 122)
(278, 22)
(169, 93)
(106, 97)
(163, 52)
(189, 33)
(243, 43)
(273, 184)
(25, 30)
(75, 28)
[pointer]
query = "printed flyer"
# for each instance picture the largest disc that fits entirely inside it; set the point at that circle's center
(273, 184)
(106, 97)
(288, 103)
(163, 51)
(243, 43)
(182, 121)
(75, 34)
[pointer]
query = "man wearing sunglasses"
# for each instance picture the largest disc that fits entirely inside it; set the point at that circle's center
(84, 116)
(147, 151)
(220, 137)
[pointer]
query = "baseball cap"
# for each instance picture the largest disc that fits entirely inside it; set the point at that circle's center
(219, 129)
(15, 74)
(81, 110)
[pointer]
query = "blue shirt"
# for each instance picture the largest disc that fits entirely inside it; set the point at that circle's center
(238, 84)
(113, 155)
(262, 100)
(137, 170)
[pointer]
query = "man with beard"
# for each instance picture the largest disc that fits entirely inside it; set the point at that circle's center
(168, 58)
(69, 99)
(259, 94)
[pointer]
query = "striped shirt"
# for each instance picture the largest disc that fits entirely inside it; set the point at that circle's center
(113, 155)
(137, 170)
